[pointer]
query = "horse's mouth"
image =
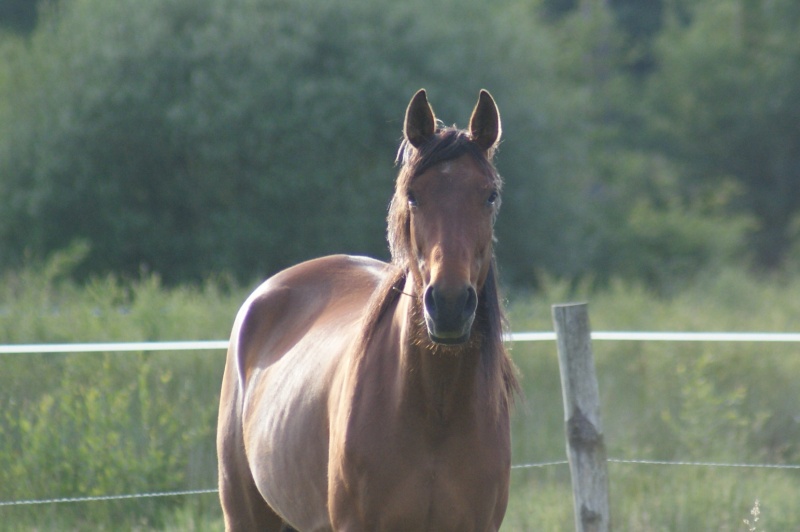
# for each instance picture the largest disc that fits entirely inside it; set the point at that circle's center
(449, 341)
(448, 337)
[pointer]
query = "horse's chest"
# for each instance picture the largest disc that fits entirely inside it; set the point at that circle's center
(404, 482)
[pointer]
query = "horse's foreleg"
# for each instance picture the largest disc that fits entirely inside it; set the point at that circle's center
(243, 506)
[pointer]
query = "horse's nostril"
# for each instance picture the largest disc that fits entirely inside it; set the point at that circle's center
(451, 307)
(430, 302)
(471, 303)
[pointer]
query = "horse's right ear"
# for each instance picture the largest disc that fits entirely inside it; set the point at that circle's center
(420, 124)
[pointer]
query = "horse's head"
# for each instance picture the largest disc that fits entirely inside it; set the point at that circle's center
(442, 215)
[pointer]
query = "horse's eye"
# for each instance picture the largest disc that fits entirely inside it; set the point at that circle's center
(412, 200)
(492, 198)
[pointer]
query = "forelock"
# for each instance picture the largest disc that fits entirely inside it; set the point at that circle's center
(448, 144)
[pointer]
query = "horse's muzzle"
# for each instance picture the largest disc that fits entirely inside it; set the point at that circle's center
(449, 313)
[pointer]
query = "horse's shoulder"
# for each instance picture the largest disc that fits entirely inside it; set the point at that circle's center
(286, 305)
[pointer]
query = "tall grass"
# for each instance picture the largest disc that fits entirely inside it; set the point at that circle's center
(698, 402)
(82, 425)
(117, 423)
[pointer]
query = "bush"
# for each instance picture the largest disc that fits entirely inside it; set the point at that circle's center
(76, 425)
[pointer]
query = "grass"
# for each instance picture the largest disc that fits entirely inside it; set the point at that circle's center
(93, 424)
(709, 402)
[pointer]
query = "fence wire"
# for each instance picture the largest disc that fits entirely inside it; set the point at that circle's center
(118, 347)
(700, 464)
(106, 497)
(663, 463)
(531, 336)
(528, 465)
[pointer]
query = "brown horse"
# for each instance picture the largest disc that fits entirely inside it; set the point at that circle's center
(364, 396)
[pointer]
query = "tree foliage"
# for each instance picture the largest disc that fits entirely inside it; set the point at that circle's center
(242, 135)
(726, 106)
(197, 136)
(18, 15)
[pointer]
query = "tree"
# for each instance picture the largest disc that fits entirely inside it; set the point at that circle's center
(18, 15)
(190, 136)
(726, 103)
(198, 136)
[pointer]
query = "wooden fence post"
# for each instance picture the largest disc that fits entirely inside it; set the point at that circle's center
(584, 430)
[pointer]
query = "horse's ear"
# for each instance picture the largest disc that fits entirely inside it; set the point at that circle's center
(420, 124)
(484, 126)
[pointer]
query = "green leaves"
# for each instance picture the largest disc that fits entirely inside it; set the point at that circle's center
(111, 425)
(188, 137)
(94, 424)
(195, 136)
(726, 105)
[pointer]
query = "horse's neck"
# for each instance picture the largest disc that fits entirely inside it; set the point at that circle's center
(437, 382)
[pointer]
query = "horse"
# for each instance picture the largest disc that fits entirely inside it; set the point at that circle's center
(360, 395)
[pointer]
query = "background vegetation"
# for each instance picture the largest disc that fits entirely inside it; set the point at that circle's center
(189, 137)
(159, 156)
(118, 423)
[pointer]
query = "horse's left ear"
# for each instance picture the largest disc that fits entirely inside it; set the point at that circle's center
(484, 126)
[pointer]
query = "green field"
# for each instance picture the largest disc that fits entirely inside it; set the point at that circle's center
(120, 423)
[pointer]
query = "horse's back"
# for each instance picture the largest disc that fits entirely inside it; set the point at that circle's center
(286, 343)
